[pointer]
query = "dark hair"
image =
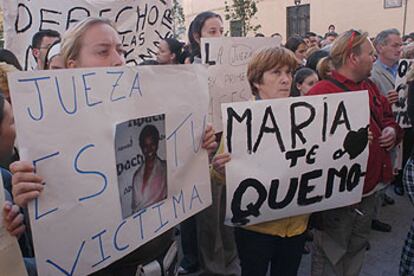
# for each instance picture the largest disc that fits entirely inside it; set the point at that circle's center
(299, 77)
(293, 43)
(310, 34)
(331, 34)
(149, 62)
(259, 35)
(9, 58)
(332, 25)
(148, 131)
(195, 28)
(38, 37)
(314, 58)
(2, 99)
(176, 47)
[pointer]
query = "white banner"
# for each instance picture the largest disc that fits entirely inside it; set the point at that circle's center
(294, 156)
(11, 259)
(400, 108)
(227, 78)
(89, 133)
(141, 24)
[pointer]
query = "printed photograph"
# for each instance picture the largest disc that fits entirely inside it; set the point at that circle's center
(140, 148)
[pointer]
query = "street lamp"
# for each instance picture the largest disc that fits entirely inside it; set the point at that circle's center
(297, 2)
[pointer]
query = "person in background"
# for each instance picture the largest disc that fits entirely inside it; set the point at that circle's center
(342, 237)
(6, 68)
(41, 42)
(215, 249)
(54, 59)
(303, 80)
(328, 39)
(313, 39)
(298, 46)
(388, 45)
(324, 68)
(331, 28)
(171, 52)
(408, 51)
(278, 243)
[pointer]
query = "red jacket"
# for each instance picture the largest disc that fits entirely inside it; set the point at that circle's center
(379, 167)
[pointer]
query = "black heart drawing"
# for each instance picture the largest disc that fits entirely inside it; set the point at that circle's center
(355, 142)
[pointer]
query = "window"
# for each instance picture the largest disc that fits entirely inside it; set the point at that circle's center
(392, 4)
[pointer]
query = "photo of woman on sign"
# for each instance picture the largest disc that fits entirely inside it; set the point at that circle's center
(149, 183)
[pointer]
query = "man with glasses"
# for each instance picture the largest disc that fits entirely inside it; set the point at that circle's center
(342, 239)
(41, 42)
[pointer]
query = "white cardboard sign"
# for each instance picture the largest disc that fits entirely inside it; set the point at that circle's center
(400, 108)
(294, 156)
(227, 78)
(141, 24)
(84, 131)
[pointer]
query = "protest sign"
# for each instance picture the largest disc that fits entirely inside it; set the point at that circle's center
(294, 156)
(90, 133)
(227, 78)
(234, 51)
(141, 24)
(400, 107)
(11, 259)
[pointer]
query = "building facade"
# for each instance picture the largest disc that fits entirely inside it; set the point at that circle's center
(297, 16)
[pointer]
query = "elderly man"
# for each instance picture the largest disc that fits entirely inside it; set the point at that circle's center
(388, 44)
(342, 240)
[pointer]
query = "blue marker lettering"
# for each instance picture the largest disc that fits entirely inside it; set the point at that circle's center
(195, 195)
(39, 95)
(174, 133)
(162, 224)
(117, 247)
(178, 201)
(103, 257)
(105, 179)
(139, 216)
(38, 215)
(72, 271)
(75, 103)
(116, 84)
(136, 85)
(196, 149)
(87, 88)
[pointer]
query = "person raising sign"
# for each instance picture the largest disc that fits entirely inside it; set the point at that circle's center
(94, 42)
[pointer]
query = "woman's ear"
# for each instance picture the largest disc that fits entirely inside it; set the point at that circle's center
(71, 63)
(197, 37)
(174, 57)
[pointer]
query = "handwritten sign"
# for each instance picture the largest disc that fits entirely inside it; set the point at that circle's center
(400, 108)
(227, 78)
(141, 24)
(90, 134)
(11, 259)
(234, 51)
(294, 156)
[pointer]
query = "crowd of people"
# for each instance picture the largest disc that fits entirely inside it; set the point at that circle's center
(303, 65)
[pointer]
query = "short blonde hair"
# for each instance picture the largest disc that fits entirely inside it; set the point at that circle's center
(267, 59)
(324, 67)
(4, 69)
(345, 44)
(72, 38)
